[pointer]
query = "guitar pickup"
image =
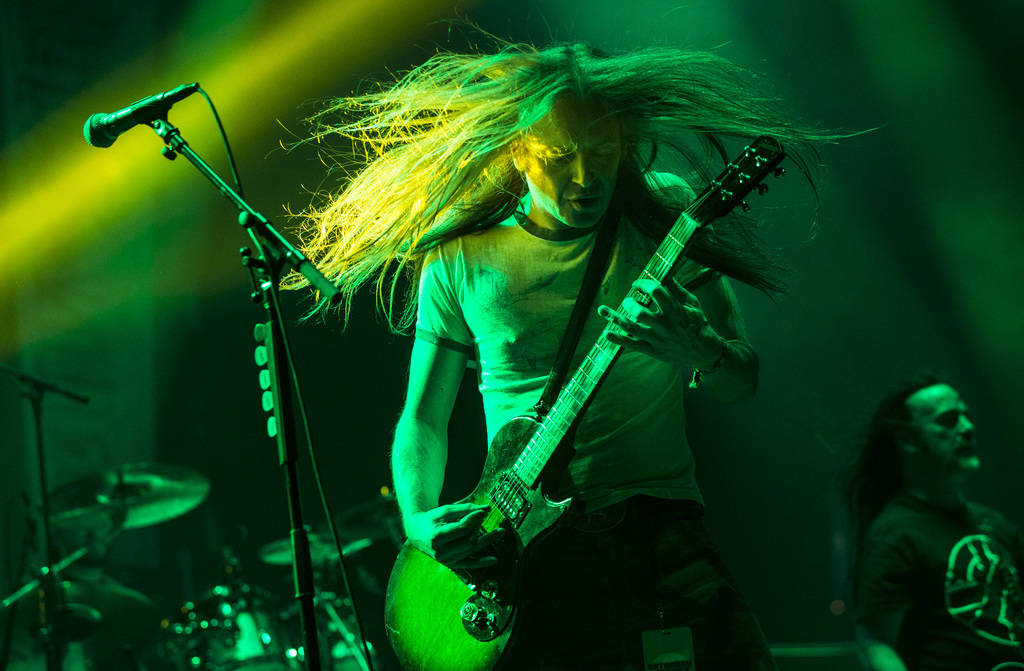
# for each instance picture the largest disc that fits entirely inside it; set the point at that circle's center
(509, 497)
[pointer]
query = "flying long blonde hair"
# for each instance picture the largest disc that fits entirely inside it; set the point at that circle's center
(431, 153)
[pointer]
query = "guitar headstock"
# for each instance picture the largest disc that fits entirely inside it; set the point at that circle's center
(739, 178)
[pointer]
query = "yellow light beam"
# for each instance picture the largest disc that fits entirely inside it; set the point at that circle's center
(58, 193)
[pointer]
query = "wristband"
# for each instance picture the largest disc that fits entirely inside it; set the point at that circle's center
(698, 374)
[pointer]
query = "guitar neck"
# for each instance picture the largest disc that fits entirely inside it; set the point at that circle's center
(577, 391)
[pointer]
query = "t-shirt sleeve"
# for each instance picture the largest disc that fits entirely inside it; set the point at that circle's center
(887, 578)
(439, 316)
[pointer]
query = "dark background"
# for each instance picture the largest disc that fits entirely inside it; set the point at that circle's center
(119, 273)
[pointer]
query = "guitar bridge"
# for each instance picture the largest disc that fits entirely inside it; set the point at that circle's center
(509, 496)
(484, 617)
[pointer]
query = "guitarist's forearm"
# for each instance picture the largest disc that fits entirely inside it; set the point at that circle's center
(419, 455)
(735, 377)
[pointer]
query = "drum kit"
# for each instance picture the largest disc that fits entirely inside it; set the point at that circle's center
(231, 626)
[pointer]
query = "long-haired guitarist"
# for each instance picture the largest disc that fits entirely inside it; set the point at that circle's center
(937, 577)
(487, 177)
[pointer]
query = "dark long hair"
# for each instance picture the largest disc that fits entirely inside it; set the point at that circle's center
(876, 475)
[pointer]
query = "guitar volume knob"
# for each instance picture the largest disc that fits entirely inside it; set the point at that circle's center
(469, 612)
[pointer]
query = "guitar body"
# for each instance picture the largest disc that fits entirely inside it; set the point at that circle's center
(444, 620)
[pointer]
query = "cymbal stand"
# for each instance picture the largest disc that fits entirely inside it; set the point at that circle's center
(49, 575)
(29, 540)
(347, 636)
(34, 584)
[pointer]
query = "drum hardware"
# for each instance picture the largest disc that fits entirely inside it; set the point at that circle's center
(359, 527)
(49, 628)
(342, 650)
(347, 646)
(321, 550)
(106, 616)
(236, 625)
(107, 622)
(377, 519)
(230, 627)
(138, 495)
(128, 497)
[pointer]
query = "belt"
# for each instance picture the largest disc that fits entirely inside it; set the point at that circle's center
(638, 506)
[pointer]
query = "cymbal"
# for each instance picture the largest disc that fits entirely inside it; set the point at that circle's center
(321, 549)
(359, 527)
(129, 496)
(375, 518)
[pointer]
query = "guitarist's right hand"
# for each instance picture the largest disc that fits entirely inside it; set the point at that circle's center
(450, 534)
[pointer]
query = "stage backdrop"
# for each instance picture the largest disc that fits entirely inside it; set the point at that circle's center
(120, 275)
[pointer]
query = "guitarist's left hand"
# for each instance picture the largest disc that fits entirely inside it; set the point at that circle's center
(673, 328)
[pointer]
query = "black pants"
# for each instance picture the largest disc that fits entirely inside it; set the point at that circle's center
(592, 587)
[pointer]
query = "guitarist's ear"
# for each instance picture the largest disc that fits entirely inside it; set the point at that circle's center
(906, 439)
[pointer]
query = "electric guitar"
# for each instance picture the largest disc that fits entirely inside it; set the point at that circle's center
(443, 620)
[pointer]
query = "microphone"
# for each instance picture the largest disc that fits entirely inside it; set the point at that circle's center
(101, 130)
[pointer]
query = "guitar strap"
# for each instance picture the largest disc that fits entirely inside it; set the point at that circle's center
(596, 266)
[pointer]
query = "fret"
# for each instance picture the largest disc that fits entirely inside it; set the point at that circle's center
(527, 458)
(653, 273)
(605, 348)
(569, 390)
(585, 372)
(524, 470)
(561, 424)
(656, 274)
(585, 382)
(529, 469)
(538, 438)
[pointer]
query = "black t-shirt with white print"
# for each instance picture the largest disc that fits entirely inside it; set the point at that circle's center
(955, 572)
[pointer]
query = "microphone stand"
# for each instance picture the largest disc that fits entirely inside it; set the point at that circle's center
(274, 253)
(49, 576)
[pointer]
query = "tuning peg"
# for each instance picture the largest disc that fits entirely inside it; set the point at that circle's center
(745, 206)
(779, 172)
(762, 189)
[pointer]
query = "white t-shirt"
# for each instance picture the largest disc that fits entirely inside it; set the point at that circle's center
(505, 296)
